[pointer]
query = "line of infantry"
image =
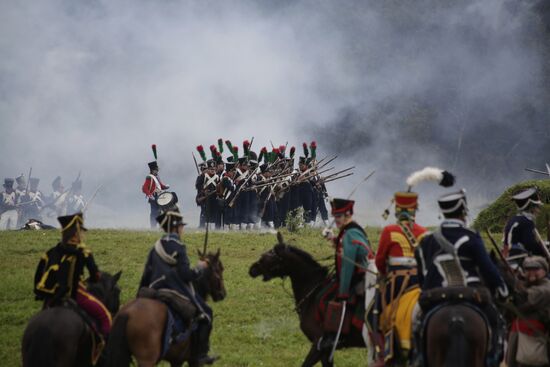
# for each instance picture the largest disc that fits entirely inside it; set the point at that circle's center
(23, 205)
(254, 191)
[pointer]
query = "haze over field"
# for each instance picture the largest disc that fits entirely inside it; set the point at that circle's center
(386, 85)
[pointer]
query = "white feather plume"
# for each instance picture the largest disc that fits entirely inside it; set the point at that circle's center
(425, 174)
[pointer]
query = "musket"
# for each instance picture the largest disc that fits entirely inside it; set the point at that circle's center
(92, 198)
(243, 184)
(250, 146)
(538, 171)
(497, 250)
(196, 165)
(338, 178)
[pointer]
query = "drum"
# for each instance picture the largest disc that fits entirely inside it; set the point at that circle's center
(167, 200)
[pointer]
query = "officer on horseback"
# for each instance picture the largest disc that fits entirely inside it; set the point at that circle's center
(454, 257)
(398, 274)
(352, 251)
(168, 267)
(520, 233)
(59, 273)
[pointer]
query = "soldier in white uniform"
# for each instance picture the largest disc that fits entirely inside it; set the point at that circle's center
(75, 202)
(8, 206)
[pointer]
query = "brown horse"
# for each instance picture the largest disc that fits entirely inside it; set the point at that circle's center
(59, 336)
(307, 277)
(138, 329)
(456, 336)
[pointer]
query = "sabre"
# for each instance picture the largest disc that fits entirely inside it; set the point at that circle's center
(342, 317)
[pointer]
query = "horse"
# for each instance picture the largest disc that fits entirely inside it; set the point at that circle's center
(307, 277)
(60, 337)
(456, 336)
(138, 329)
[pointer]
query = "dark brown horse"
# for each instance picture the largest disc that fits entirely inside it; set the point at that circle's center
(307, 277)
(138, 329)
(59, 337)
(456, 336)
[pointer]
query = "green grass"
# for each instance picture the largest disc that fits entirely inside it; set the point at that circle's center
(254, 326)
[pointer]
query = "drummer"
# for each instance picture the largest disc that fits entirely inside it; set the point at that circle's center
(152, 187)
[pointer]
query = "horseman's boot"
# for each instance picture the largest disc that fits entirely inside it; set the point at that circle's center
(202, 345)
(378, 341)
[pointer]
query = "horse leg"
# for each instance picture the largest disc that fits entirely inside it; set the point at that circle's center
(312, 357)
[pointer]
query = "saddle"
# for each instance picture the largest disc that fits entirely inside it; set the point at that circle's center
(479, 296)
(182, 306)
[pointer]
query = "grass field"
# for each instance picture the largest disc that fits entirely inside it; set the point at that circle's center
(254, 326)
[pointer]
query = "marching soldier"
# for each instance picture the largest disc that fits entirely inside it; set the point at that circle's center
(168, 266)
(242, 205)
(455, 256)
(208, 183)
(520, 233)
(60, 271)
(227, 190)
(152, 187)
(8, 206)
(351, 256)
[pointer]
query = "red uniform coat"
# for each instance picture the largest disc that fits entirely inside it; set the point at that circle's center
(394, 243)
(149, 187)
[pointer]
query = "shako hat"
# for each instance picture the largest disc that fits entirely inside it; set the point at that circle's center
(20, 180)
(8, 182)
(170, 219)
(153, 166)
(526, 198)
(342, 206)
(453, 203)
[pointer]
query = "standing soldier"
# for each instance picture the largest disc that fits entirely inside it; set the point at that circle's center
(208, 183)
(520, 233)
(75, 201)
(305, 190)
(351, 256)
(152, 187)
(8, 206)
(21, 193)
(34, 202)
(226, 192)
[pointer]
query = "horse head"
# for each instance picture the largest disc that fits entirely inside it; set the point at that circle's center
(106, 289)
(282, 261)
(212, 283)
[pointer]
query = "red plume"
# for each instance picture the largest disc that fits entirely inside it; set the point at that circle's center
(264, 150)
(200, 148)
(282, 148)
(313, 144)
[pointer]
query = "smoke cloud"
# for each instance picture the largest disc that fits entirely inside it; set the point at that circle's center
(392, 86)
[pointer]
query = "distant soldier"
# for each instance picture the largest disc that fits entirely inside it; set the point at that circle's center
(152, 187)
(198, 186)
(226, 192)
(267, 198)
(75, 201)
(208, 183)
(58, 189)
(520, 232)
(20, 192)
(242, 201)
(35, 204)
(8, 206)
(305, 190)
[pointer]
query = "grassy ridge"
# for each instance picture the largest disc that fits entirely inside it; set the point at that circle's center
(255, 325)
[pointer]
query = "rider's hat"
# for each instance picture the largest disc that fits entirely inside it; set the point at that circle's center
(526, 198)
(71, 224)
(453, 203)
(170, 219)
(342, 206)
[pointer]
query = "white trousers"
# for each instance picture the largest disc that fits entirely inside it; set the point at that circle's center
(8, 220)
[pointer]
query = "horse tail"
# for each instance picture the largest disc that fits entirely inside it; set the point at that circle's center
(117, 353)
(38, 348)
(457, 353)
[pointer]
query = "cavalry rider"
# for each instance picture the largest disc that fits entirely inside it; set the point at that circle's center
(528, 340)
(398, 275)
(453, 256)
(59, 273)
(351, 258)
(168, 267)
(520, 233)
(8, 206)
(152, 187)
